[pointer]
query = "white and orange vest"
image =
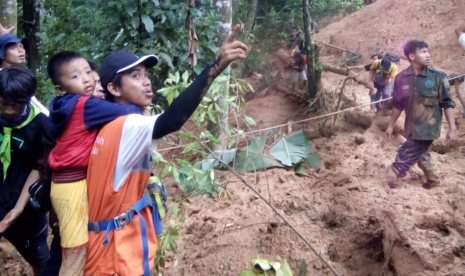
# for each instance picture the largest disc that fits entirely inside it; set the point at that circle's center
(123, 255)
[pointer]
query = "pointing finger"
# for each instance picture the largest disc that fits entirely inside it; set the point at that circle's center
(234, 33)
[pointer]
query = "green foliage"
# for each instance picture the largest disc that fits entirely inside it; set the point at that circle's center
(97, 27)
(195, 181)
(45, 91)
(195, 178)
(208, 108)
(167, 242)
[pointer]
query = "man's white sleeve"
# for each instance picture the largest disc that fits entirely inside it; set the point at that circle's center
(136, 142)
(462, 40)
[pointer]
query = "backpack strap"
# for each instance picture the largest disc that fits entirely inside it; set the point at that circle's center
(120, 221)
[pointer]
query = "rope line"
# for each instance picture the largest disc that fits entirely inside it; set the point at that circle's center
(286, 124)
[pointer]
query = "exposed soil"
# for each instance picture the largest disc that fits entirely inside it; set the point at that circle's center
(346, 210)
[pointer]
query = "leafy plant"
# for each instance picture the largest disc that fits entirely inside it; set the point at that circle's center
(195, 178)
(167, 242)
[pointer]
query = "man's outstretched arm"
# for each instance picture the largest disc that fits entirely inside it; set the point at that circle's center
(185, 104)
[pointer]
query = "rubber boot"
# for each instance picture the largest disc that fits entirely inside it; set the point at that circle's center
(427, 166)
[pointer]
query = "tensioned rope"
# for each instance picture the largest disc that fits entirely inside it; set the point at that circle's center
(289, 123)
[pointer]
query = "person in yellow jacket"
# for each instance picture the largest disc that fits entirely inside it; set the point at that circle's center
(383, 73)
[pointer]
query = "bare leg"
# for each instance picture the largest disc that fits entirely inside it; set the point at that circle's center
(74, 260)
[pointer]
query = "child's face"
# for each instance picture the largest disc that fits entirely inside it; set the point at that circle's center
(15, 55)
(76, 78)
(11, 110)
(136, 87)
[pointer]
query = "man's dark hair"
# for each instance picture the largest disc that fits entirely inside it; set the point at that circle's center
(378, 56)
(117, 82)
(57, 61)
(386, 63)
(93, 64)
(412, 46)
(17, 85)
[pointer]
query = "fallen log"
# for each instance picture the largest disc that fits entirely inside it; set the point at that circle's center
(350, 74)
(287, 59)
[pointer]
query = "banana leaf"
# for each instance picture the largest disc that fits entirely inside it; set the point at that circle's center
(227, 156)
(292, 149)
(253, 159)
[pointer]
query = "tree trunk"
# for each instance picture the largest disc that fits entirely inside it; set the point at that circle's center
(9, 13)
(31, 25)
(251, 16)
(235, 5)
(193, 41)
(314, 77)
(224, 9)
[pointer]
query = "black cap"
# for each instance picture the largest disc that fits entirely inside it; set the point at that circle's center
(11, 38)
(120, 61)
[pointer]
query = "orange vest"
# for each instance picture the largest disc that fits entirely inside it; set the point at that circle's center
(123, 254)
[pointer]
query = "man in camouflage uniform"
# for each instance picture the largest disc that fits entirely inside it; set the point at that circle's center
(423, 92)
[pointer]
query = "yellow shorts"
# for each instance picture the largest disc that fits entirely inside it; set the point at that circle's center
(70, 203)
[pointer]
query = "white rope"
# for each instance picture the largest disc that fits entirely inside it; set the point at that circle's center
(287, 124)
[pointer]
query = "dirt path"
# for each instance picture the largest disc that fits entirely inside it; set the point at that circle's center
(346, 210)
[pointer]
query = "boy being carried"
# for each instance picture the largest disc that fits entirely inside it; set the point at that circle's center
(75, 118)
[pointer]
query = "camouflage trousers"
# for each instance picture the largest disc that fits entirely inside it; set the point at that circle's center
(415, 151)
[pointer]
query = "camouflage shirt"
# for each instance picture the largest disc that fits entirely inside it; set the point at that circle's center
(422, 96)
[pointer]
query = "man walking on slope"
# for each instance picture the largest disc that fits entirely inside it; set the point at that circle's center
(423, 92)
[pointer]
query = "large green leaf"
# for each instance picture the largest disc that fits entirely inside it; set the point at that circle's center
(252, 158)
(227, 156)
(148, 23)
(166, 58)
(314, 161)
(291, 149)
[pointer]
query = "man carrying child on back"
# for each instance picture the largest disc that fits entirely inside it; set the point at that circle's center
(75, 119)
